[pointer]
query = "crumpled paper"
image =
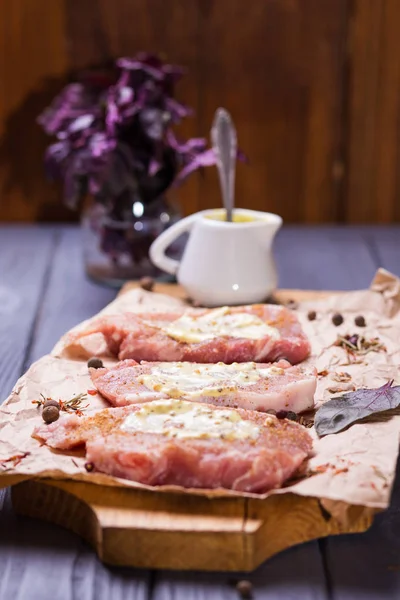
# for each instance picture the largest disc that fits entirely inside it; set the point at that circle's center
(356, 466)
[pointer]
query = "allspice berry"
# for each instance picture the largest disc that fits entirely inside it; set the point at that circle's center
(147, 283)
(360, 321)
(337, 319)
(282, 414)
(47, 403)
(50, 414)
(245, 589)
(292, 304)
(95, 363)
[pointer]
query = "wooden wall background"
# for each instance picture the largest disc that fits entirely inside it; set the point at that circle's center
(313, 86)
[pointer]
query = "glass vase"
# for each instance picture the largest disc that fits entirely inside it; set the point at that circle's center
(116, 251)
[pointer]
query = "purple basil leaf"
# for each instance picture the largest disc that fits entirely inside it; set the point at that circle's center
(101, 144)
(204, 159)
(125, 95)
(242, 156)
(178, 111)
(192, 145)
(135, 64)
(342, 411)
(153, 123)
(54, 158)
(174, 71)
(154, 166)
(80, 123)
(72, 102)
(112, 117)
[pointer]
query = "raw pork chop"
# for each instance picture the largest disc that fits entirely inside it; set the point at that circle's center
(174, 442)
(251, 386)
(260, 333)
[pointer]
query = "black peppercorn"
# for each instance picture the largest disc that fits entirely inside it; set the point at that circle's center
(282, 414)
(147, 283)
(292, 304)
(50, 414)
(245, 589)
(292, 416)
(337, 319)
(95, 363)
(89, 467)
(312, 315)
(360, 321)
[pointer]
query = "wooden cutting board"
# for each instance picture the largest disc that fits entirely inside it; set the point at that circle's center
(180, 531)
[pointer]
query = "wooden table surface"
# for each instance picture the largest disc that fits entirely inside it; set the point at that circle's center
(44, 292)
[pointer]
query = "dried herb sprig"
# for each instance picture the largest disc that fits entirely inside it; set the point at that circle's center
(73, 405)
(14, 460)
(358, 345)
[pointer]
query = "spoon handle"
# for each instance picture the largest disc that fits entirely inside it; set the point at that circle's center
(224, 142)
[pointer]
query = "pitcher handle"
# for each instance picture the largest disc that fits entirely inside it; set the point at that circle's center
(165, 239)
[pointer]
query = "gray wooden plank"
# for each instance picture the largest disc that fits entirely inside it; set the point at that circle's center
(385, 243)
(299, 266)
(323, 258)
(307, 258)
(70, 297)
(291, 575)
(331, 258)
(25, 257)
(367, 566)
(39, 560)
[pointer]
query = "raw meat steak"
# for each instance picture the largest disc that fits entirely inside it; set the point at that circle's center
(260, 333)
(174, 442)
(253, 386)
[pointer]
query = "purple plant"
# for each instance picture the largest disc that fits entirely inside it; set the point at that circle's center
(115, 138)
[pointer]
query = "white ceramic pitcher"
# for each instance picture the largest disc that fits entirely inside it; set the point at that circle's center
(223, 263)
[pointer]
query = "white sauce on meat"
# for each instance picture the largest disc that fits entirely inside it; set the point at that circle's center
(194, 380)
(219, 323)
(187, 420)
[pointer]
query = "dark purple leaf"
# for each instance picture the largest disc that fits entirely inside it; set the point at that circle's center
(125, 95)
(242, 156)
(153, 123)
(152, 65)
(73, 102)
(189, 146)
(54, 158)
(112, 118)
(81, 123)
(342, 411)
(204, 159)
(101, 144)
(135, 64)
(114, 132)
(154, 166)
(178, 111)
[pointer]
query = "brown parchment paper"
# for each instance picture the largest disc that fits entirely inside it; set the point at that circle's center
(356, 466)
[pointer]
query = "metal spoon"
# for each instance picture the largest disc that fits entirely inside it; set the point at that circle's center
(224, 143)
